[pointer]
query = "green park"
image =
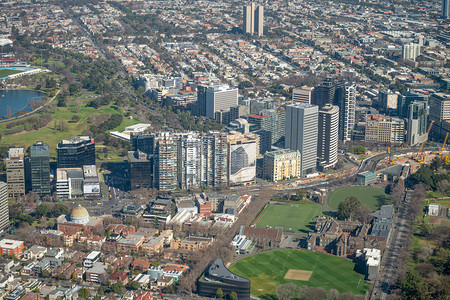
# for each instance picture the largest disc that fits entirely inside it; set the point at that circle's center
(289, 217)
(373, 197)
(268, 270)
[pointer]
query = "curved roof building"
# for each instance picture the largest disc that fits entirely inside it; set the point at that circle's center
(218, 276)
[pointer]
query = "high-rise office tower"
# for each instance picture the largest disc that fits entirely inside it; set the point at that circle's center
(445, 9)
(15, 172)
(301, 133)
(440, 114)
(189, 160)
(201, 100)
(327, 147)
(141, 170)
(143, 142)
(303, 94)
(220, 98)
(76, 152)
(417, 122)
(330, 91)
(347, 106)
(270, 120)
(40, 168)
(253, 19)
(165, 161)
(4, 209)
(405, 100)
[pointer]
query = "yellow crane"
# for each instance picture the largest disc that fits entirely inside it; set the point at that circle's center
(420, 157)
(443, 145)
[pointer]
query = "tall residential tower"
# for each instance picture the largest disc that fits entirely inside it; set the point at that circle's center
(253, 19)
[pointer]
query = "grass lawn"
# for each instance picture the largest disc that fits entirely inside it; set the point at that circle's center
(373, 197)
(52, 136)
(7, 72)
(267, 270)
(293, 217)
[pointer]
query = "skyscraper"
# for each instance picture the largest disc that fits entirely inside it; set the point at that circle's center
(417, 122)
(347, 106)
(15, 172)
(445, 9)
(220, 98)
(214, 159)
(327, 147)
(201, 100)
(76, 152)
(4, 210)
(40, 168)
(270, 120)
(330, 91)
(253, 19)
(301, 133)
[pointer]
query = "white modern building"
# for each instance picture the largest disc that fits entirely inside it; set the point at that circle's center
(302, 94)
(4, 210)
(220, 98)
(410, 51)
(347, 112)
(301, 133)
(253, 19)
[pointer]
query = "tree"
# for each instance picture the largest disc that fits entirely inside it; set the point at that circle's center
(413, 286)
(286, 291)
(219, 293)
(348, 208)
(441, 261)
(442, 186)
(233, 296)
(75, 118)
(117, 288)
(364, 214)
(84, 293)
(135, 285)
(301, 194)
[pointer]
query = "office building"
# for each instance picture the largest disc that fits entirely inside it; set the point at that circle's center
(405, 100)
(382, 129)
(281, 164)
(69, 183)
(388, 100)
(417, 123)
(440, 114)
(410, 51)
(40, 168)
(327, 146)
(201, 100)
(330, 91)
(303, 94)
(265, 140)
(4, 209)
(15, 172)
(269, 120)
(220, 98)
(301, 133)
(11, 247)
(242, 150)
(253, 17)
(76, 152)
(141, 170)
(445, 9)
(143, 142)
(165, 161)
(347, 106)
(91, 182)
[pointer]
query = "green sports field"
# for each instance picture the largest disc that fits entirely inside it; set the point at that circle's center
(373, 197)
(267, 270)
(292, 217)
(7, 72)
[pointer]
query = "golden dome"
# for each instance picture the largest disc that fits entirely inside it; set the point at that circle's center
(79, 212)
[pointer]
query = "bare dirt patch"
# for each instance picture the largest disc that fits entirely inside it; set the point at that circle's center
(298, 275)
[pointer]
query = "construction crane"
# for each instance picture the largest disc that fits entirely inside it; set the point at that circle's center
(443, 145)
(420, 157)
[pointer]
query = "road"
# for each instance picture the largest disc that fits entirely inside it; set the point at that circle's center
(386, 279)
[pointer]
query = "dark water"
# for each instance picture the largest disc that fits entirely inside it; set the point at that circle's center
(17, 100)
